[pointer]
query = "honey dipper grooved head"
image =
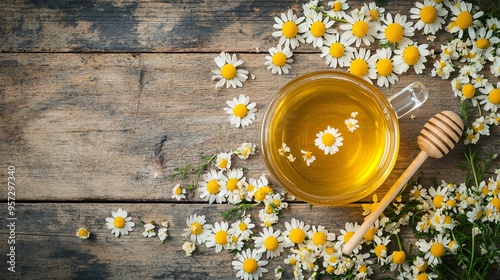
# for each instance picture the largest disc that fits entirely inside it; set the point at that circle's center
(440, 134)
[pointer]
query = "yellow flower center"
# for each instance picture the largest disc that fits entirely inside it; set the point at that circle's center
(483, 43)
(416, 194)
(494, 96)
(221, 237)
(83, 232)
(464, 20)
(289, 29)
(398, 257)
(360, 29)
(380, 249)
(359, 67)
(178, 191)
(250, 188)
(329, 250)
(279, 59)
(330, 269)
(297, 235)
(234, 238)
(242, 226)
(394, 32)
(450, 203)
(347, 236)
(318, 29)
(438, 201)
(293, 262)
(319, 238)
(223, 162)
(422, 276)
(384, 67)
(261, 193)
(195, 228)
(337, 6)
(228, 71)
(337, 50)
(119, 222)
(428, 14)
(370, 234)
(468, 91)
(374, 15)
(232, 184)
(269, 209)
(328, 139)
(410, 55)
(271, 243)
(250, 265)
(423, 267)
(495, 202)
(213, 186)
(437, 250)
(363, 269)
(240, 111)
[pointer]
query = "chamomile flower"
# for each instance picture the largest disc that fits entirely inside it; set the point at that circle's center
(413, 55)
(290, 28)
(270, 242)
(430, 14)
(495, 67)
(373, 11)
(178, 192)
(336, 51)
(234, 185)
(380, 248)
(308, 157)
(471, 137)
(338, 8)
(245, 150)
(243, 228)
(363, 64)
(213, 186)
(463, 19)
(284, 149)
(485, 42)
(352, 124)
(162, 234)
(320, 236)
(398, 261)
(241, 111)
(197, 230)
(310, 7)
(481, 126)
(296, 232)
(83, 233)
(223, 161)
(396, 31)
(329, 140)
(188, 248)
(319, 29)
(345, 235)
(434, 249)
(149, 230)
(219, 237)
(278, 60)
(120, 223)
(228, 73)
(386, 70)
(249, 265)
(443, 68)
(359, 29)
(490, 98)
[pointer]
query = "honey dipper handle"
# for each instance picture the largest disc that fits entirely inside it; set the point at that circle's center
(388, 198)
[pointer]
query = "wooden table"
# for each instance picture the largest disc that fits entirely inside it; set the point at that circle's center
(101, 100)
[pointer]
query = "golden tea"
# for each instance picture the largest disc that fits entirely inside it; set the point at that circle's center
(330, 141)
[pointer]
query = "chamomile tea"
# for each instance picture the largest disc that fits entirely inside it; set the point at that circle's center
(330, 140)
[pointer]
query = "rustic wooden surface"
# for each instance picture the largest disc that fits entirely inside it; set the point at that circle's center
(101, 100)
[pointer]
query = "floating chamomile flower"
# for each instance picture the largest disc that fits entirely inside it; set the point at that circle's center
(284, 149)
(270, 242)
(363, 65)
(228, 73)
(197, 230)
(338, 8)
(319, 29)
(329, 140)
(296, 232)
(430, 15)
(308, 157)
(352, 124)
(463, 18)
(241, 111)
(490, 98)
(279, 59)
(178, 192)
(223, 161)
(412, 55)
(249, 265)
(359, 28)
(213, 186)
(434, 249)
(120, 223)
(396, 31)
(219, 238)
(336, 51)
(373, 11)
(386, 70)
(290, 28)
(83, 233)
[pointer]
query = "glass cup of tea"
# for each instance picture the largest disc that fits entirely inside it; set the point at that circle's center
(331, 138)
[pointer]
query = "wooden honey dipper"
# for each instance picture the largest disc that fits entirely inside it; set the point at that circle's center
(436, 139)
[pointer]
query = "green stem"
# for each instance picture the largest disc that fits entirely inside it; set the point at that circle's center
(471, 265)
(399, 242)
(470, 159)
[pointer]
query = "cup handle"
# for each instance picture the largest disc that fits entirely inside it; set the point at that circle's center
(408, 99)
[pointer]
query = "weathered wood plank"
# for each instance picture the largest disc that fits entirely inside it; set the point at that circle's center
(146, 25)
(113, 126)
